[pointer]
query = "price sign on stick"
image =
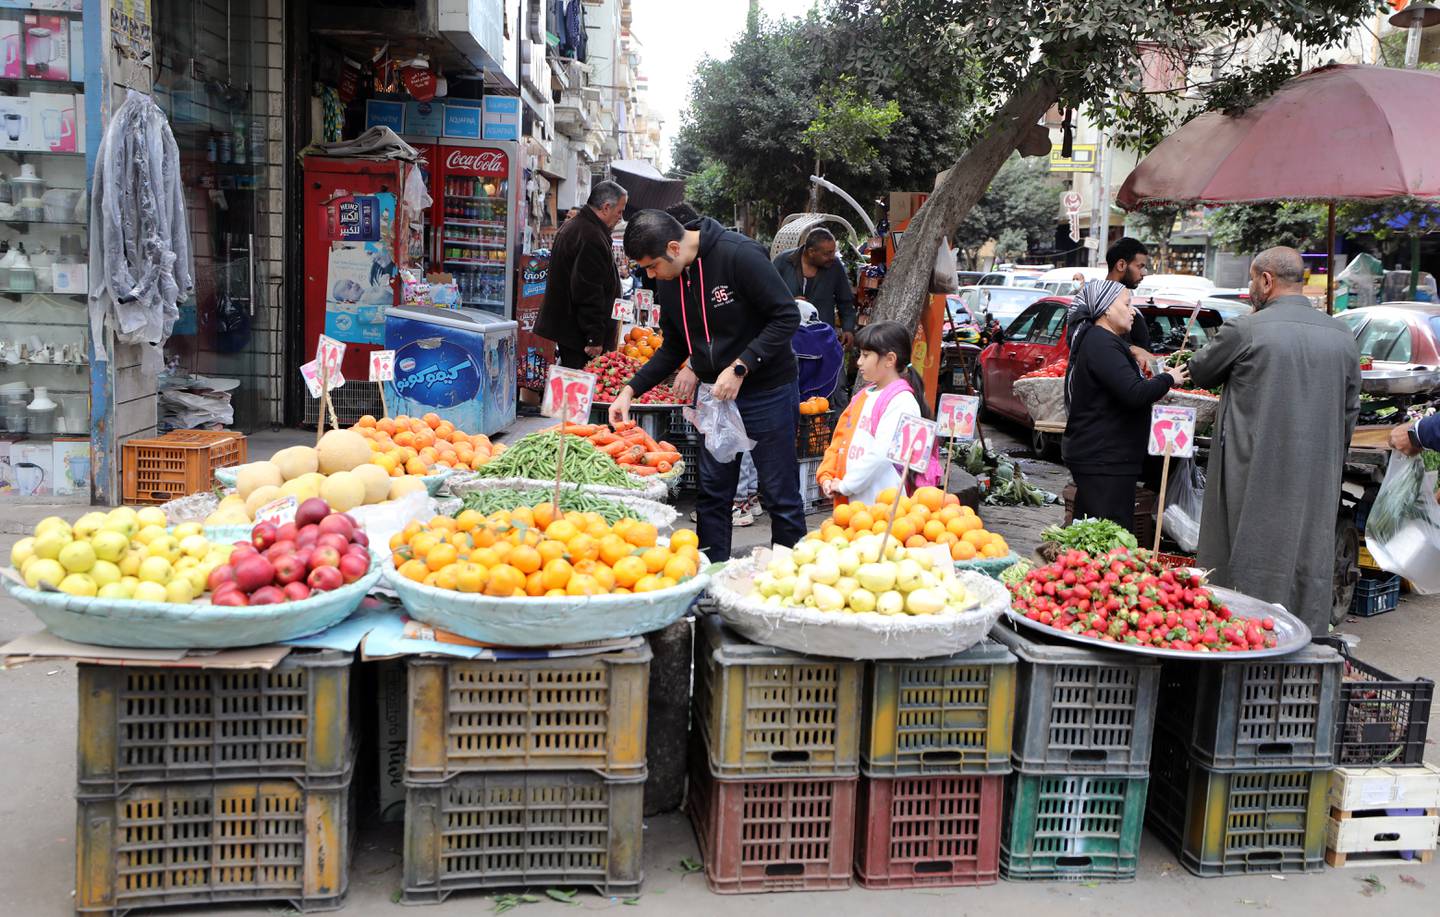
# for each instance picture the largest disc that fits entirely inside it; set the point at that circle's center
(1172, 431)
(956, 416)
(623, 310)
(382, 365)
(914, 439)
(330, 352)
(568, 393)
(310, 372)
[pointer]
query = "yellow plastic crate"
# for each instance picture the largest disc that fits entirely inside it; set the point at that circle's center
(1367, 560)
(212, 843)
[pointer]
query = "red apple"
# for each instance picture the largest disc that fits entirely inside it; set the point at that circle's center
(307, 536)
(267, 595)
(360, 538)
(357, 550)
(229, 597)
(323, 579)
(252, 573)
(263, 535)
(303, 555)
(287, 532)
(297, 591)
(339, 524)
(288, 569)
(278, 549)
(311, 512)
(332, 540)
(220, 576)
(243, 549)
(353, 567)
(324, 557)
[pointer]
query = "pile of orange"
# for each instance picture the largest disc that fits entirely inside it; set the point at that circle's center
(419, 445)
(641, 344)
(532, 551)
(816, 405)
(930, 516)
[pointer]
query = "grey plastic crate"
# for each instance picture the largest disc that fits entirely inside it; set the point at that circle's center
(938, 717)
(767, 712)
(532, 828)
(1264, 714)
(1079, 711)
(812, 498)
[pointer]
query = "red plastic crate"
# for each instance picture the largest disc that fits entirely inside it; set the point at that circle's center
(929, 831)
(773, 835)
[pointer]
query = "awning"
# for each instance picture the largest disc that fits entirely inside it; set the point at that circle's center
(648, 189)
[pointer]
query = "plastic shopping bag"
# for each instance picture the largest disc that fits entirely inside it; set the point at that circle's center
(1402, 531)
(1184, 500)
(720, 423)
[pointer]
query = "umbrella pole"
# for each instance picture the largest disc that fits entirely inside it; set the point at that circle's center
(1330, 261)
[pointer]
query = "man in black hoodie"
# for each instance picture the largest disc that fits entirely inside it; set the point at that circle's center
(725, 309)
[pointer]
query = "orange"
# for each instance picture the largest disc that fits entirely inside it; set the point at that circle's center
(414, 570)
(679, 568)
(425, 542)
(502, 548)
(683, 537)
(919, 512)
(666, 582)
(957, 526)
(561, 530)
(550, 549)
(605, 577)
(432, 419)
(448, 577)
(597, 529)
(948, 513)
(504, 580)
(655, 559)
(903, 529)
(916, 541)
(612, 548)
(442, 522)
(583, 584)
(484, 536)
(441, 556)
(861, 521)
(962, 550)
(405, 439)
(641, 535)
(525, 559)
(967, 511)
(648, 583)
(629, 571)
(842, 514)
(993, 549)
(975, 537)
(397, 541)
(829, 530)
(556, 573)
(932, 498)
(385, 425)
(485, 557)
(974, 523)
(535, 583)
(947, 538)
(468, 520)
(934, 529)
(416, 466)
(471, 577)
(952, 500)
(522, 515)
(886, 496)
(688, 551)
(444, 430)
(544, 514)
(583, 547)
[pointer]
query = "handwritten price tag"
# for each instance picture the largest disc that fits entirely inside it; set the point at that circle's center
(956, 416)
(310, 372)
(1172, 428)
(277, 512)
(568, 393)
(914, 440)
(330, 352)
(382, 365)
(622, 310)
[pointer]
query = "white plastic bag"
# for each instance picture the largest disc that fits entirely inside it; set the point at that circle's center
(720, 423)
(943, 277)
(1184, 500)
(1402, 531)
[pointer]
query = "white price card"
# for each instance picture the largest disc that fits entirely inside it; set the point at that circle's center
(623, 310)
(382, 365)
(310, 372)
(568, 393)
(956, 416)
(914, 440)
(330, 352)
(1172, 430)
(277, 512)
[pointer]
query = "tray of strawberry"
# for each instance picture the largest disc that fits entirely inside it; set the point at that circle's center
(1130, 601)
(612, 372)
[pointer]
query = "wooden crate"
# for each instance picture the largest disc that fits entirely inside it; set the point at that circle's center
(1354, 789)
(1365, 839)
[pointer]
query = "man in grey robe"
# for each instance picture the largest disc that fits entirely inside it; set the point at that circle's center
(1292, 394)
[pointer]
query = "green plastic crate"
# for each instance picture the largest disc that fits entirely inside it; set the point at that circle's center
(1071, 827)
(939, 717)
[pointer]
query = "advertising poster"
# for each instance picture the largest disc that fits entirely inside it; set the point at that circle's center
(535, 354)
(360, 278)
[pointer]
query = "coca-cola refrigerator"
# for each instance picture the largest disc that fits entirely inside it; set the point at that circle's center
(473, 231)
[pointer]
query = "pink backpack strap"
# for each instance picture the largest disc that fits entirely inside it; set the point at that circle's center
(886, 396)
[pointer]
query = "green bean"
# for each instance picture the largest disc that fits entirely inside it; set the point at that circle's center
(506, 498)
(534, 457)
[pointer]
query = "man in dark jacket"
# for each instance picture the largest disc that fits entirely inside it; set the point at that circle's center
(724, 308)
(583, 285)
(814, 273)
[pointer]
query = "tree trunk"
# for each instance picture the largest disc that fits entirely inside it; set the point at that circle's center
(907, 283)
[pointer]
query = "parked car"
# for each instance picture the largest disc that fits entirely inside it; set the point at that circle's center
(1184, 287)
(1398, 334)
(1037, 338)
(1228, 306)
(1003, 303)
(1013, 277)
(1061, 281)
(968, 278)
(961, 325)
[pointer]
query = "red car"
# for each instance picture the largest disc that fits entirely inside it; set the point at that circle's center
(1037, 337)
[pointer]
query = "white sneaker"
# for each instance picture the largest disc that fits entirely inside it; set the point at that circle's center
(740, 514)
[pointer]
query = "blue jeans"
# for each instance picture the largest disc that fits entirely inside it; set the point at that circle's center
(770, 419)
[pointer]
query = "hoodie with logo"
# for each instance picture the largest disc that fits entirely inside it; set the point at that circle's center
(728, 304)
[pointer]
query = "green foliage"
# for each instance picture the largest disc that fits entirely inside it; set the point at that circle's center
(847, 127)
(1414, 217)
(1250, 228)
(1018, 210)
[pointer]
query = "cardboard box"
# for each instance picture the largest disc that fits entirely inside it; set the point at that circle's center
(12, 58)
(70, 277)
(53, 114)
(34, 467)
(45, 645)
(72, 466)
(47, 47)
(904, 204)
(393, 734)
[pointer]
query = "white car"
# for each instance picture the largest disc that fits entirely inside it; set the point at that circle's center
(1184, 287)
(1061, 280)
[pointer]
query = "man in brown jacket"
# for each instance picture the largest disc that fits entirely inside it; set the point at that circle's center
(583, 283)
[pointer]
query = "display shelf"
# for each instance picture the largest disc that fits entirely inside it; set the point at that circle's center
(11, 292)
(466, 197)
(471, 243)
(475, 262)
(24, 81)
(20, 154)
(481, 302)
(484, 224)
(18, 223)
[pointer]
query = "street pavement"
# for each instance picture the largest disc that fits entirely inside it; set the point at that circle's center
(37, 813)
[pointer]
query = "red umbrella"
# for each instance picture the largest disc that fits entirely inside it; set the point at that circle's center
(1336, 133)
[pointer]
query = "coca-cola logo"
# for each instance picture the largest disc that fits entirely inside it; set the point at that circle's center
(477, 162)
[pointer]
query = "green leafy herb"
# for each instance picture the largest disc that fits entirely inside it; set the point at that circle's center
(690, 865)
(1093, 536)
(564, 897)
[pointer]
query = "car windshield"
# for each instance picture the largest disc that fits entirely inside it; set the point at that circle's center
(1007, 302)
(1168, 330)
(1385, 339)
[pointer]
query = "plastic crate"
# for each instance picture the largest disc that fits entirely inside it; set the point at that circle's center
(1382, 719)
(813, 434)
(689, 449)
(1268, 713)
(767, 712)
(1071, 827)
(535, 828)
(940, 716)
(576, 713)
(1240, 822)
(211, 843)
(1366, 560)
(772, 835)
(654, 419)
(812, 499)
(929, 831)
(1375, 595)
(1080, 711)
(181, 463)
(140, 724)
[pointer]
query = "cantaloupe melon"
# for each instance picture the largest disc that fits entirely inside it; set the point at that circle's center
(408, 484)
(342, 450)
(377, 482)
(303, 487)
(259, 497)
(295, 461)
(343, 490)
(255, 475)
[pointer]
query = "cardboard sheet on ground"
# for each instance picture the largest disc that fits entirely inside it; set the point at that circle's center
(45, 645)
(395, 635)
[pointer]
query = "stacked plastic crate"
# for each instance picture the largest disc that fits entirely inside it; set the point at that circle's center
(774, 765)
(207, 786)
(1384, 799)
(1075, 804)
(525, 773)
(1241, 767)
(934, 752)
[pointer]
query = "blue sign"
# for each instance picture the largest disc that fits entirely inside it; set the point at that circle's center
(439, 374)
(424, 119)
(462, 121)
(385, 114)
(501, 118)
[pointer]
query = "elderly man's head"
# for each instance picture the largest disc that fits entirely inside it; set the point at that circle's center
(1278, 271)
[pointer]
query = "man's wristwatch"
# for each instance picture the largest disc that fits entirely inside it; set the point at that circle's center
(740, 369)
(1414, 439)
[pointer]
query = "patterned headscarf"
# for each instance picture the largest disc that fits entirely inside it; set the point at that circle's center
(1094, 298)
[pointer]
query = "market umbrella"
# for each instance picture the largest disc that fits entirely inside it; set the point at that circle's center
(648, 189)
(1337, 133)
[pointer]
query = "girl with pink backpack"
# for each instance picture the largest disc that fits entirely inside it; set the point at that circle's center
(855, 466)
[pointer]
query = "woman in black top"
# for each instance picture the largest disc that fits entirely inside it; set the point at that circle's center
(1108, 402)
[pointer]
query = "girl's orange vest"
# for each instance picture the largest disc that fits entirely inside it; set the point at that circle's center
(833, 465)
